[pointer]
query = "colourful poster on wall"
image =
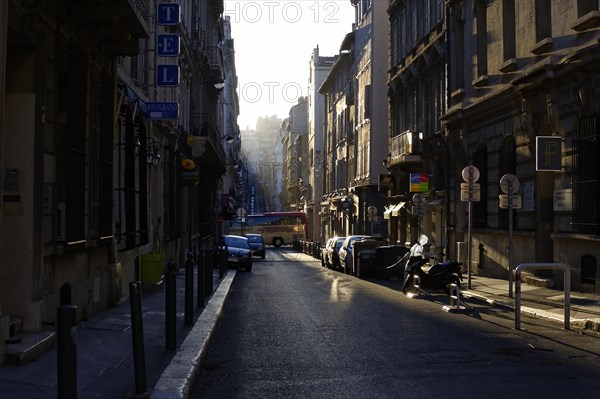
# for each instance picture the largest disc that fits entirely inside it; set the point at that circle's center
(419, 182)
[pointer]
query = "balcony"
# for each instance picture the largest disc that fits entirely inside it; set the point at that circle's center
(116, 25)
(406, 148)
(206, 143)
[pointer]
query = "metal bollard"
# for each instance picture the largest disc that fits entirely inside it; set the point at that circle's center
(201, 268)
(189, 290)
(417, 280)
(416, 287)
(222, 266)
(567, 289)
(66, 354)
(171, 305)
(454, 295)
(137, 335)
(456, 304)
(210, 264)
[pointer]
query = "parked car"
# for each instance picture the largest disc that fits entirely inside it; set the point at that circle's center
(330, 252)
(345, 252)
(239, 253)
(257, 243)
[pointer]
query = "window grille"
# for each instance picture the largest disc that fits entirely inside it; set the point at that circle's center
(586, 179)
(589, 270)
(71, 156)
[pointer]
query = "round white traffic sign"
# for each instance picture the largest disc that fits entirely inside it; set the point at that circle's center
(509, 182)
(418, 198)
(470, 174)
(372, 210)
(241, 212)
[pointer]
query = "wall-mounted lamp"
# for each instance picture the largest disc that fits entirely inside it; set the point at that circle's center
(219, 83)
(153, 153)
(187, 164)
(228, 138)
(137, 145)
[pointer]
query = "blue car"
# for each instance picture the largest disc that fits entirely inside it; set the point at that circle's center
(239, 253)
(257, 243)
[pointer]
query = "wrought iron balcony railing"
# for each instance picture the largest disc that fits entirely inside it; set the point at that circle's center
(406, 147)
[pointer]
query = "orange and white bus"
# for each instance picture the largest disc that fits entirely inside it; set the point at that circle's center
(277, 228)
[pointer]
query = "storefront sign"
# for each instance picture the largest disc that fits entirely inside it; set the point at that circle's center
(168, 14)
(419, 182)
(167, 75)
(168, 45)
(162, 110)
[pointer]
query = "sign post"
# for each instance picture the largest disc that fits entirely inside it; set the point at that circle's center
(509, 184)
(241, 214)
(418, 209)
(470, 174)
(372, 214)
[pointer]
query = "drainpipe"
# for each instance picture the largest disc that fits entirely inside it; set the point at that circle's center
(3, 29)
(448, 56)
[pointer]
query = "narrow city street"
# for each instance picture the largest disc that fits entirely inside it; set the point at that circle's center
(294, 329)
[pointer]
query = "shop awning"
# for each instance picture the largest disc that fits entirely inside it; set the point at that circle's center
(393, 210)
(434, 203)
(397, 208)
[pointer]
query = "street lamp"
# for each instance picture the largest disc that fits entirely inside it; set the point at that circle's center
(219, 83)
(137, 145)
(153, 153)
(228, 138)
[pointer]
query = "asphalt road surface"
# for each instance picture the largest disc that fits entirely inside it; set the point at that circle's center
(293, 329)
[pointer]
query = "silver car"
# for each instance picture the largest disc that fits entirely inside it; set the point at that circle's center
(330, 256)
(345, 252)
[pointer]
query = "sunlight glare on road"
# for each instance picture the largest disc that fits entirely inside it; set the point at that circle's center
(339, 292)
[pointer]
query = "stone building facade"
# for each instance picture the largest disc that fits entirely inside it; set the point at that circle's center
(531, 76)
(94, 180)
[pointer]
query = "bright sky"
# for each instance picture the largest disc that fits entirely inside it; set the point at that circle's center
(274, 41)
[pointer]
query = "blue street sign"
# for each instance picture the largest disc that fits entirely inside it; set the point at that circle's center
(168, 14)
(168, 45)
(162, 110)
(167, 75)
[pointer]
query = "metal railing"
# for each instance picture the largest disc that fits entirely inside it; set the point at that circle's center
(543, 266)
(404, 144)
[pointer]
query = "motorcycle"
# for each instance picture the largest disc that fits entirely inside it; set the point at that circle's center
(440, 276)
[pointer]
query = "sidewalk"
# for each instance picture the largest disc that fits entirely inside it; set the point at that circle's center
(104, 342)
(105, 364)
(538, 301)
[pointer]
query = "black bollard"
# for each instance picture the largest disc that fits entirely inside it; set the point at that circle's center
(189, 290)
(137, 335)
(223, 263)
(210, 265)
(201, 266)
(208, 273)
(171, 305)
(137, 272)
(66, 351)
